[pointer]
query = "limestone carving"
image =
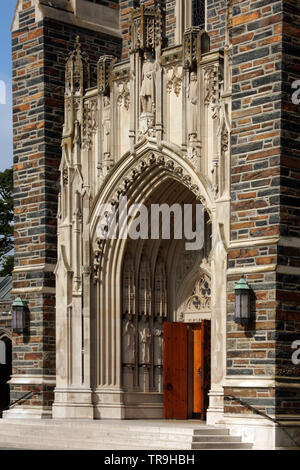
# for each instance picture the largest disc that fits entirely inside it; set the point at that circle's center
(160, 291)
(128, 286)
(146, 27)
(145, 338)
(190, 45)
(158, 342)
(174, 79)
(143, 164)
(77, 70)
(147, 92)
(90, 122)
(105, 65)
(106, 126)
(123, 95)
(65, 175)
(212, 90)
(193, 107)
(200, 300)
(144, 288)
(193, 153)
(129, 341)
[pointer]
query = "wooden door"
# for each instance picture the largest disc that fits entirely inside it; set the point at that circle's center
(175, 362)
(186, 370)
(207, 362)
(197, 336)
(200, 337)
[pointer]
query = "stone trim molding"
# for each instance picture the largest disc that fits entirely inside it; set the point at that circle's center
(33, 379)
(5, 333)
(252, 269)
(31, 290)
(36, 267)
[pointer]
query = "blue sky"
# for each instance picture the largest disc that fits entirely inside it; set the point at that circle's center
(7, 12)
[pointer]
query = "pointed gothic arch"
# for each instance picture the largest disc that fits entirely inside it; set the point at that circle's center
(151, 175)
(5, 367)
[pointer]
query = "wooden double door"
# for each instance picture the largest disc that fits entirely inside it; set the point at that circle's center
(186, 370)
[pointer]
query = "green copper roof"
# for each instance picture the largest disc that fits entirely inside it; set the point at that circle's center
(242, 285)
(18, 303)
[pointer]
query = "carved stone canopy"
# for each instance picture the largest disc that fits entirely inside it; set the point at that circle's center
(77, 71)
(105, 65)
(195, 43)
(146, 28)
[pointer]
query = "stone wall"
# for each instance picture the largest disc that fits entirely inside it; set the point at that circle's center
(255, 192)
(5, 318)
(40, 50)
(216, 21)
(264, 200)
(264, 185)
(288, 282)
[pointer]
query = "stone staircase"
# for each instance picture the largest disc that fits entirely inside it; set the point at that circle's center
(115, 435)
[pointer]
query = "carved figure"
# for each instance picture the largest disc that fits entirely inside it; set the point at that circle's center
(192, 109)
(129, 333)
(106, 125)
(158, 342)
(145, 340)
(147, 93)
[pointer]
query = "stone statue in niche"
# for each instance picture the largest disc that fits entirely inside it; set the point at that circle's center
(106, 125)
(129, 344)
(192, 107)
(147, 93)
(158, 342)
(145, 338)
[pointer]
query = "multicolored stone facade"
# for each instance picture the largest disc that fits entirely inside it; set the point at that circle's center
(264, 233)
(40, 49)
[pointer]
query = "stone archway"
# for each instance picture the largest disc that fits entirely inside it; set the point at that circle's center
(90, 382)
(148, 178)
(5, 368)
(151, 272)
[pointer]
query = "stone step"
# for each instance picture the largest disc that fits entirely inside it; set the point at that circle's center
(214, 438)
(222, 446)
(117, 435)
(98, 426)
(211, 430)
(96, 435)
(85, 442)
(75, 444)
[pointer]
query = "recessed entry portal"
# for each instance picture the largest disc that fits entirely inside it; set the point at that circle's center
(162, 281)
(186, 370)
(5, 371)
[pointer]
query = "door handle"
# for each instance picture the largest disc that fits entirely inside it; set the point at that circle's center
(199, 372)
(169, 387)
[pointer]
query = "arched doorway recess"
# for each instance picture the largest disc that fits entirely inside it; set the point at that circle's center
(5, 368)
(140, 284)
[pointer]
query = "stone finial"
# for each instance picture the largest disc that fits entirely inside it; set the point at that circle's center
(77, 70)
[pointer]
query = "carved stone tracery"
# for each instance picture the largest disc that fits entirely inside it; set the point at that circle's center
(200, 299)
(142, 321)
(90, 122)
(212, 88)
(174, 74)
(123, 94)
(146, 28)
(105, 65)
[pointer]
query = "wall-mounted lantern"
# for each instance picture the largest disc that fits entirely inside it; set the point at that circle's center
(18, 313)
(242, 301)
